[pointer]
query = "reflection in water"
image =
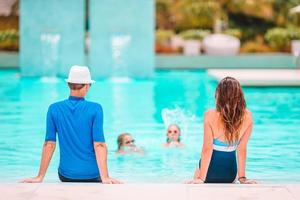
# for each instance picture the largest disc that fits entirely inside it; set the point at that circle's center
(129, 101)
(194, 93)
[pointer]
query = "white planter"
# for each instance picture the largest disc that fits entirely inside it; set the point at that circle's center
(295, 45)
(221, 44)
(176, 42)
(191, 47)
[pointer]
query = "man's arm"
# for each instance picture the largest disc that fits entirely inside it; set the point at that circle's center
(47, 153)
(101, 156)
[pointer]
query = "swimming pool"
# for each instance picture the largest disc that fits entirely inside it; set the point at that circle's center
(136, 107)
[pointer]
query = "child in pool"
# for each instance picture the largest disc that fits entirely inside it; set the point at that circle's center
(126, 144)
(173, 136)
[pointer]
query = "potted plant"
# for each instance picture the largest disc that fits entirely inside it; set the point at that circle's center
(295, 41)
(192, 41)
(163, 40)
(176, 42)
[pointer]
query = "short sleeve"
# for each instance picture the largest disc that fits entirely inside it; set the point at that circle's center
(98, 135)
(50, 126)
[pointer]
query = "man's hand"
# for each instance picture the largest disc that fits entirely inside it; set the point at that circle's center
(37, 179)
(48, 150)
(101, 157)
(110, 181)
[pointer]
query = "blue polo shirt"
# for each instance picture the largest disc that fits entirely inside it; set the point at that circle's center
(78, 123)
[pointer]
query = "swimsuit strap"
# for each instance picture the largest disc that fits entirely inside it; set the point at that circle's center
(223, 146)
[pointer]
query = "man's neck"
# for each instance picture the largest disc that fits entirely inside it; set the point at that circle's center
(76, 94)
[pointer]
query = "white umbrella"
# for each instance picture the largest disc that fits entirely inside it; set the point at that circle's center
(295, 9)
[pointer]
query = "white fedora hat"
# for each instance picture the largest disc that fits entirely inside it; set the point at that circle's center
(79, 75)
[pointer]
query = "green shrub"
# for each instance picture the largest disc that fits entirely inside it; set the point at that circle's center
(193, 14)
(278, 37)
(294, 33)
(255, 47)
(234, 32)
(194, 34)
(9, 39)
(163, 35)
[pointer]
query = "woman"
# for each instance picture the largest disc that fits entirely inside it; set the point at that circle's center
(173, 136)
(126, 144)
(227, 130)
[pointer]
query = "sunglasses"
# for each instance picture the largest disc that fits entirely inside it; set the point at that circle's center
(130, 142)
(173, 131)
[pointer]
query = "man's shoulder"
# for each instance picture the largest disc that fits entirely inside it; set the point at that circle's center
(94, 104)
(56, 104)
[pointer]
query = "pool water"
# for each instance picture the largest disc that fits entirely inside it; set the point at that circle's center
(136, 106)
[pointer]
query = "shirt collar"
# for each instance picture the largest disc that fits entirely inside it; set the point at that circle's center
(75, 98)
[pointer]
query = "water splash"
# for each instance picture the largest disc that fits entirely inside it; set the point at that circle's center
(178, 116)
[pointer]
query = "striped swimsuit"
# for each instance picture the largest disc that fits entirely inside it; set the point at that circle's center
(222, 167)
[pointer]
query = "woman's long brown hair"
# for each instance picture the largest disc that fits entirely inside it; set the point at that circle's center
(231, 105)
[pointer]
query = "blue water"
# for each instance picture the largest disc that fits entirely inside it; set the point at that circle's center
(135, 107)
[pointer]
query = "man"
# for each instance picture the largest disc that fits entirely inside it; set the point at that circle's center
(79, 126)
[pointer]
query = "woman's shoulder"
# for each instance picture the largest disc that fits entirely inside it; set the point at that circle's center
(248, 115)
(211, 113)
(248, 120)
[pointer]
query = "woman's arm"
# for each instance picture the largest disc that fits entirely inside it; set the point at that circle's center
(242, 152)
(207, 147)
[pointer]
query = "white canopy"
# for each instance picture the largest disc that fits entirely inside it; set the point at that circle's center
(295, 9)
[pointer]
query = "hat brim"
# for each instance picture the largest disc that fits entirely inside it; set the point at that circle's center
(79, 81)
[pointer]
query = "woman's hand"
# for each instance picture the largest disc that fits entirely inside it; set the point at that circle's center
(195, 181)
(110, 181)
(244, 180)
(37, 179)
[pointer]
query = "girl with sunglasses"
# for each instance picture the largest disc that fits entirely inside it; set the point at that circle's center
(173, 136)
(126, 144)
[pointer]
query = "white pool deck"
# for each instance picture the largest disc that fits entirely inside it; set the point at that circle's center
(260, 77)
(63, 191)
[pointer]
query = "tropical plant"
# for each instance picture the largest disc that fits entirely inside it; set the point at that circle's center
(278, 37)
(200, 14)
(294, 33)
(163, 35)
(234, 32)
(194, 34)
(9, 39)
